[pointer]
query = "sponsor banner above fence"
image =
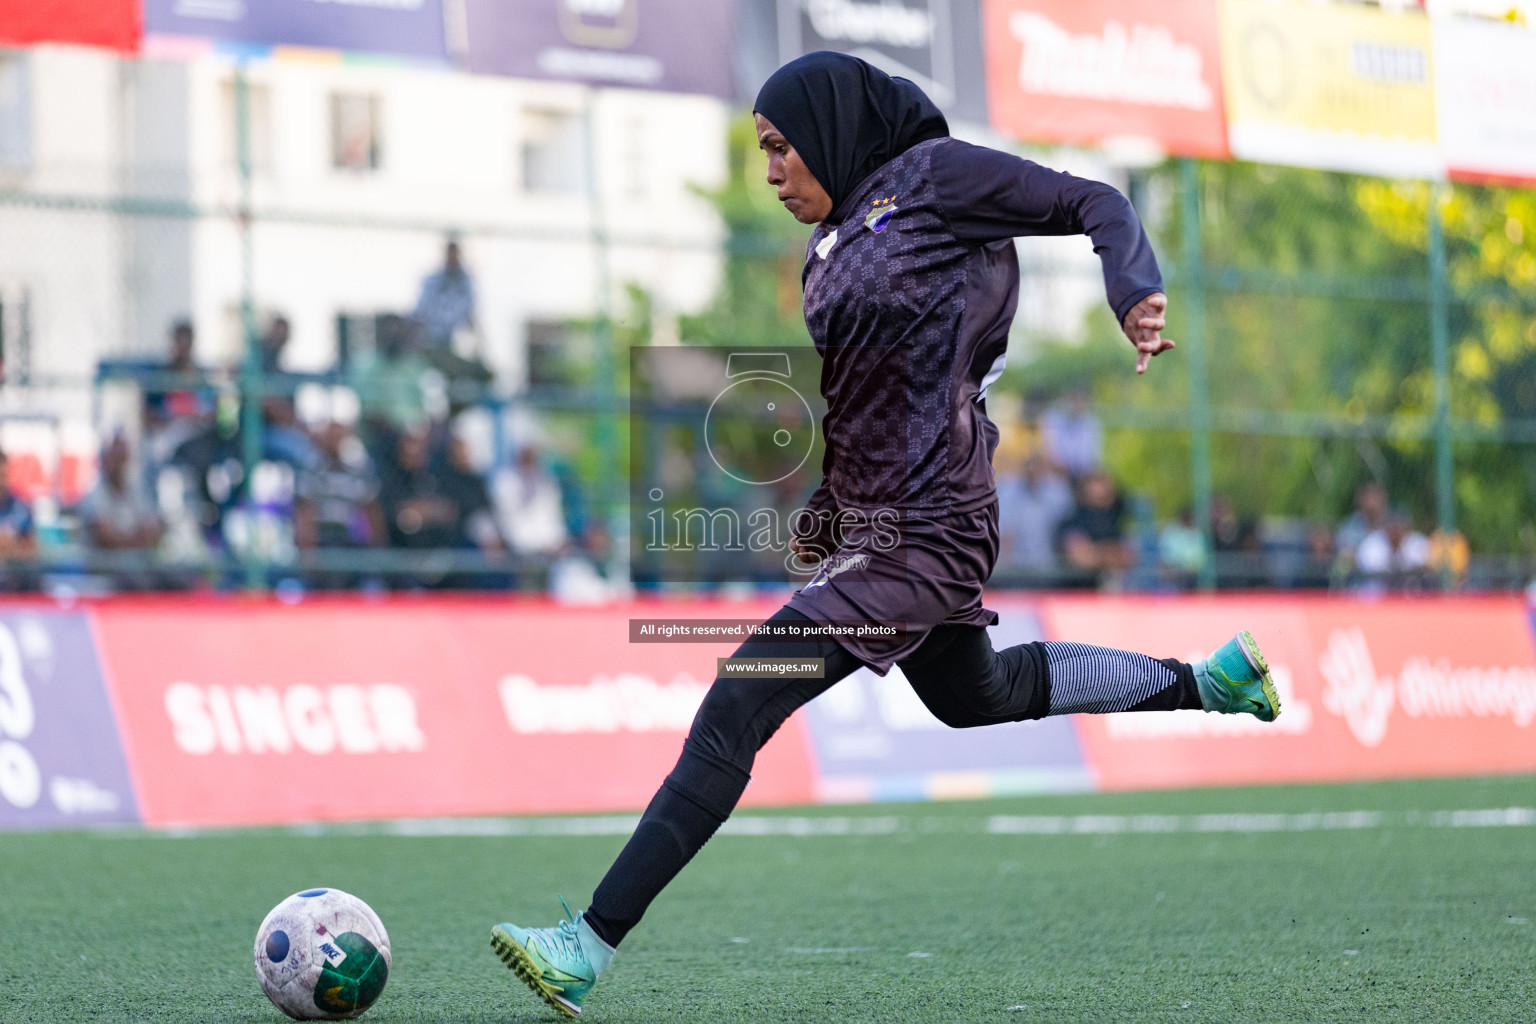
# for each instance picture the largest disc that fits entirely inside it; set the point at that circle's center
(115, 24)
(677, 45)
(1369, 690)
(1095, 72)
(1485, 86)
(246, 713)
(934, 43)
(411, 28)
(1337, 87)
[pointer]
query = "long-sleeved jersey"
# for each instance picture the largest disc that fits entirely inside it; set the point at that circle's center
(910, 288)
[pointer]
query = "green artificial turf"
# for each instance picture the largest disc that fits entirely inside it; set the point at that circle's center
(1396, 922)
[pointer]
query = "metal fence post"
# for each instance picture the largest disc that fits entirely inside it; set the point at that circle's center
(613, 466)
(1439, 342)
(1193, 273)
(251, 385)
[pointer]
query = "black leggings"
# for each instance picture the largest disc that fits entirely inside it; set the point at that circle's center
(956, 673)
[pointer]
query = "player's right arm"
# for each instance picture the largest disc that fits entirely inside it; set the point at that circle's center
(988, 195)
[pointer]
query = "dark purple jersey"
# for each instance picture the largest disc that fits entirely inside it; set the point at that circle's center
(910, 288)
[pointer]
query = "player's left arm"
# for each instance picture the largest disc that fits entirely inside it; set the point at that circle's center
(988, 195)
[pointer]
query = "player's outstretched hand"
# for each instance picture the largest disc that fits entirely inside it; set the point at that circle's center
(1142, 325)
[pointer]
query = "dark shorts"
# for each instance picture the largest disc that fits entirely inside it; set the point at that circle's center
(932, 576)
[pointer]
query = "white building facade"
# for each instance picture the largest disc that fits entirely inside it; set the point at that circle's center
(120, 188)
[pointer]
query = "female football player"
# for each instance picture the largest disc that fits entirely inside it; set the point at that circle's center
(911, 281)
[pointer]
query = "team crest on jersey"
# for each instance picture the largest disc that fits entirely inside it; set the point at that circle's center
(880, 214)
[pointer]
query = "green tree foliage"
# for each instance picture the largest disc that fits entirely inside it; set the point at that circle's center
(1491, 249)
(758, 301)
(1317, 305)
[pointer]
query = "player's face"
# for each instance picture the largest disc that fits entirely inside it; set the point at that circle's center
(799, 191)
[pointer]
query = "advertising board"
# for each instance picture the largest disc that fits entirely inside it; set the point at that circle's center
(1099, 72)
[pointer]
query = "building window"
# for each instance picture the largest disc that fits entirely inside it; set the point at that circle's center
(15, 332)
(554, 157)
(15, 110)
(356, 143)
(258, 127)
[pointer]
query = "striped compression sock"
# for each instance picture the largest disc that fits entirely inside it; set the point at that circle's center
(1099, 680)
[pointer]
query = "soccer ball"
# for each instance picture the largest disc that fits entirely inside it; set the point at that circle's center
(322, 954)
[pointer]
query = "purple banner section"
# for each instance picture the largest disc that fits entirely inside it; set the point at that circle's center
(411, 28)
(874, 740)
(61, 761)
(675, 45)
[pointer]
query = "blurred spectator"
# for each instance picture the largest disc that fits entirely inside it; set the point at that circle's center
(1073, 438)
(436, 504)
(164, 404)
(283, 437)
(273, 344)
(1229, 531)
(446, 308)
(1238, 547)
(416, 510)
(1370, 515)
(477, 517)
(447, 300)
(589, 574)
(528, 505)
(1395, 555)
(1449, 556)
(389, 385)
(18, 538)
(118, 515)
(175, 414)
(1181, 552)
(1031, 507)
(337, 495)
(1322, 564)
(1093, 537)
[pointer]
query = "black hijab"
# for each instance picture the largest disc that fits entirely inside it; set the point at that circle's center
(846, 117)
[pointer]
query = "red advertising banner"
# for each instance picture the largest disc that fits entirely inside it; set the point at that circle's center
(1094, 72)
(1369, 689)
(117, 24)
(247, 714)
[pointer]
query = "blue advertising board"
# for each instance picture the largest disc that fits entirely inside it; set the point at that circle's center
(412, 28)
(61, 758)
(675, 45)
(874, 740)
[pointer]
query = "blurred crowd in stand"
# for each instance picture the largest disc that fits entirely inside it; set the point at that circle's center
(399, 469)
(399, 448)
(1065, 521)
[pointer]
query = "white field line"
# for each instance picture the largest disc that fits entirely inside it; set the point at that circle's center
(870, 825)
(1098, 824)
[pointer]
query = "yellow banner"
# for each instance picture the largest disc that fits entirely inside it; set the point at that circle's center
(1346, 88)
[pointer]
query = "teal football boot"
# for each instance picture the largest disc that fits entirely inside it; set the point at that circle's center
(1236, 680)
(560, 964)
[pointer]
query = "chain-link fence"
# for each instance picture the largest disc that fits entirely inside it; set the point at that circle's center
(220, 374)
